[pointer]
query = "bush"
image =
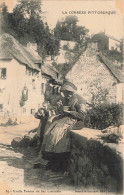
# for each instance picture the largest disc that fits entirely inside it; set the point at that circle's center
(104, 115)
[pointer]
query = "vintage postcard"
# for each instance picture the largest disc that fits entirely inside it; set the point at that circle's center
(61, 97)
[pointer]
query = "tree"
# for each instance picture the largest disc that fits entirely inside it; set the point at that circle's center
(4, 25)
(28, 14)
(26, 25)
(3, 8)
(29, 8)
(69, 30)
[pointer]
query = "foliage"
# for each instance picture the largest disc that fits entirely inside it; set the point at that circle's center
(29, 8)
(69, 30)
(26, 25)
(114, 55)
(99, 97)
(99, 92)
(105, 115)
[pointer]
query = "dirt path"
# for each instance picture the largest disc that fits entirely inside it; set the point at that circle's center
(17, 173)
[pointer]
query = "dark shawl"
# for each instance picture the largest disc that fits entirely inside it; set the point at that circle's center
(74, 108)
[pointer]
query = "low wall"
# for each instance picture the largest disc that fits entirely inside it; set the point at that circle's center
(94, 163)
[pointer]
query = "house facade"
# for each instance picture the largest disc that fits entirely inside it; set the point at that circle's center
(21, 85)
(114, 44)
(68, 44)
(96, 78)
(106, 42)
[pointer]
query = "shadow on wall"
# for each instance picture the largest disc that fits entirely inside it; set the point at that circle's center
(95, 164)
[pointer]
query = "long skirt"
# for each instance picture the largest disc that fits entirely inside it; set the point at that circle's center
(57, 137)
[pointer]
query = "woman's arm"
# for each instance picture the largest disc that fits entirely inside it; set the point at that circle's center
(32, 131)
(78, 114)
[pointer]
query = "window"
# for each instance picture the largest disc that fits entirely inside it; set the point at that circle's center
(1, 107)
(24, 110)
(39, 65)
(53, 90)
(57, 90)
(33, 111)
(33, 84)
(57, 74)
(2, 73)
(42, 88)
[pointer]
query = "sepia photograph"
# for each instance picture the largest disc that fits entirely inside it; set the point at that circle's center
(61, 97)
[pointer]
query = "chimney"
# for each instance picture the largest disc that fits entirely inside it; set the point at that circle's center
(93, 45)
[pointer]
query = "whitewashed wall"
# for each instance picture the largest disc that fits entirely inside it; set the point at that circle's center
(13, 85)
(114, 44)
(120, 93)
(70, 44)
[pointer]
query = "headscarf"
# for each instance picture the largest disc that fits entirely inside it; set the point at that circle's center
(68, 86)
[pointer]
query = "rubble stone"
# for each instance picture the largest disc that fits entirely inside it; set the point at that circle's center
(94, 162)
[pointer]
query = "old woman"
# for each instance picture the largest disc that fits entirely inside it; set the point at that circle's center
(56, 142)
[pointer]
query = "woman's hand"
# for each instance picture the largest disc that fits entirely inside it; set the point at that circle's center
(66, 111)
(32, 131)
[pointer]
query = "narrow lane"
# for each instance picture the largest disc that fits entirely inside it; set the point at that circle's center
(17, 170)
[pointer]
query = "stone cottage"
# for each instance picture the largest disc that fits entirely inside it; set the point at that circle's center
(107, 42)
(96, 77)
(21, 84)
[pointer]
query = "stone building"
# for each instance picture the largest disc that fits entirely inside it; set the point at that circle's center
(96, 76)
(21, 84)
(68, 44)
(107, 42)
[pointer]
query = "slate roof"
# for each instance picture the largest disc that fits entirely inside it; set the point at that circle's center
(52, 73)
(116, 73)
(10, 49)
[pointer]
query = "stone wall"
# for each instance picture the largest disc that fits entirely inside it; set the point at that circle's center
(91, 76)
(94, 163)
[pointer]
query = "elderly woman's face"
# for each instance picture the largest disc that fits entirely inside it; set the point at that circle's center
(68, 94)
